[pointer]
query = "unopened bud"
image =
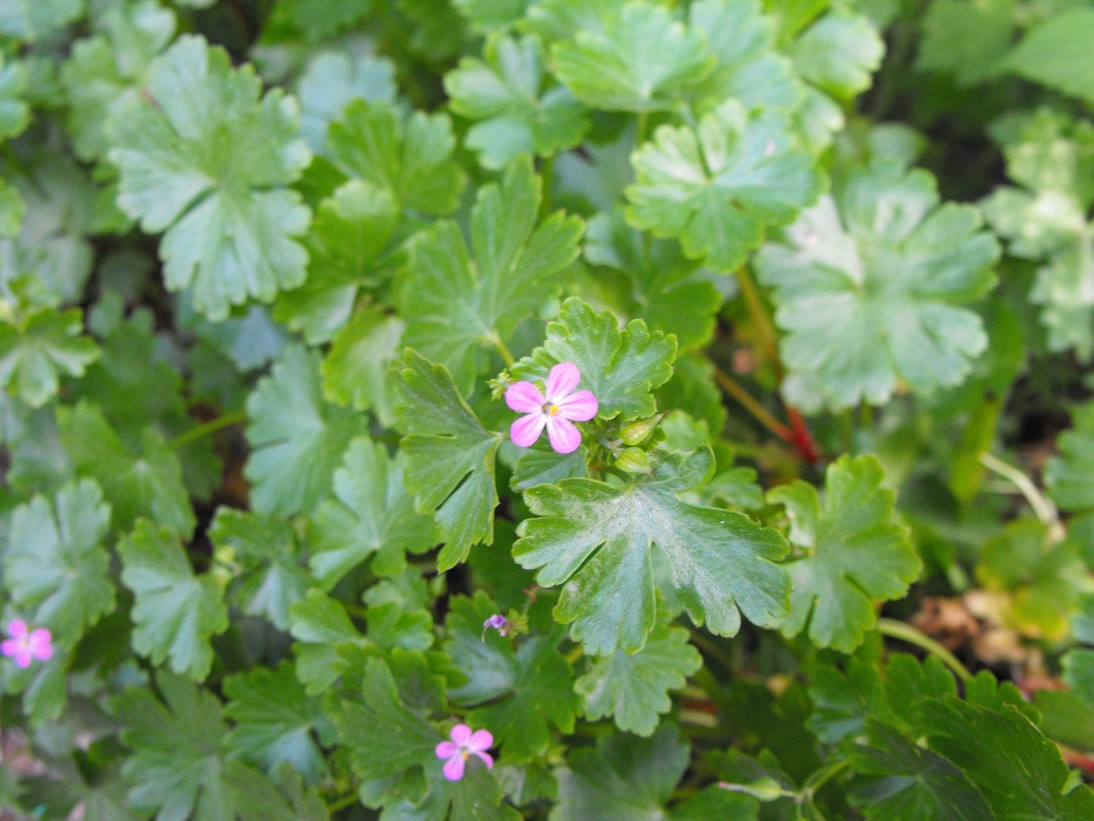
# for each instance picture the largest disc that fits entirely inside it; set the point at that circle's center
(633, 433)
(633, 460)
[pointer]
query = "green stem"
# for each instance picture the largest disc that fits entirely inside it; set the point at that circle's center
(210, 427)
(1045, 510)
(816, 781)
(640, 129)
(751, 404)
(712, 650)
(506, 356)
(342, 803)
(905, 632)
(768, 339)
(546, 173)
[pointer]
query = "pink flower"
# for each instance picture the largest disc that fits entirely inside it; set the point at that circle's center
(25, 644)
(553, 411)
(464, 744)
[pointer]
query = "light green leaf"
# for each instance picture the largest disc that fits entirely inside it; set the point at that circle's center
(399, 612)
(14, 111)
(202, 157)
(491, 14)
(355, 370)
(450, 457)
(456, 302)
(1046, 220)
(29, 20)
(966, 39)
(605, 541)
(350, 231)
(411, 159)
(331, 81)
(853, 555)
(668, 291)
(869, 285)
(633, 688)
(1055, 53)
(275, 721)
(56, 565)
(297, 438)
(839, 53)
(621, 367)
(176, 612)
(616, 69)
(271, 576)
(748, 68)
(505, 95)
(516, 694)
(1069, 474)
(372, 514)
(623, 779)
(719, 188)
(104, 73)
(321, 627)
(37, 346)
(175, 768)
(147, 483)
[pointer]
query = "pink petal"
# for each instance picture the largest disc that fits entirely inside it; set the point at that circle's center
(524, 397)
(561, 381)
(42, 652)
(22, 657)
(453, 768)
(17, 628)
(563, 435)
(9, 647)
(526, 430)
(581, 406)
(447, 749)
(487, 759)
(460, 734)
(481, 740)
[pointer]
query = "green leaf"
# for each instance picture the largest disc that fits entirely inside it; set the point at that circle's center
(37, 346)
(385, 738)
(838, 53)
(29, 21)
(719, 188)
(624, 779)
(145, 484)
(491, 14)
(633, 688)
(204, 159)
(748, 68)
(297, 438)
(331, 81)
(275, 721)
(1069, 474)
(1052, 158)
(601, 539)
(966, 39)
(321, 627)
(1055, 53)
(399, 612)
(175, 768)
(458, 301)
(264, 549)
(668, 291)
(450, 457)
(56, 564)
(350, 231)
(505, 94)
(906, 780)
(14, 111)
(621, 367)
(853, 554)
(515, 693)
(373, 514)
(176, 612)
(103, 73)
(355, 371)
(615, 68)
(868, 287)
(1017, 769)
(411, 160)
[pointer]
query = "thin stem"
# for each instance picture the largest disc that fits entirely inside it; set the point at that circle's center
(761, 414)
(546, 173)
(342, 803)
(905, 632)
(506, 356)
(209, 428)
(712, 650)
(1042, 507)
(640, 129)
(816, 781)
(766, 331)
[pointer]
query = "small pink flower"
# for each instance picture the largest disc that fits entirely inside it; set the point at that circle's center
(553, 411)
(25, 644)
(463, 745)
(495, 622)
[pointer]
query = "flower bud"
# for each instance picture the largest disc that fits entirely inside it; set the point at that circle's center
(635, 432)
(633, 460)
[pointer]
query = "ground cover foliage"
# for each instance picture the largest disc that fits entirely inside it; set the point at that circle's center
(812, 281)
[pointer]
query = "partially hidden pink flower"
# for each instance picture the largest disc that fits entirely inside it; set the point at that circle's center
(463, 745)
(25, 645)
(557, 411)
